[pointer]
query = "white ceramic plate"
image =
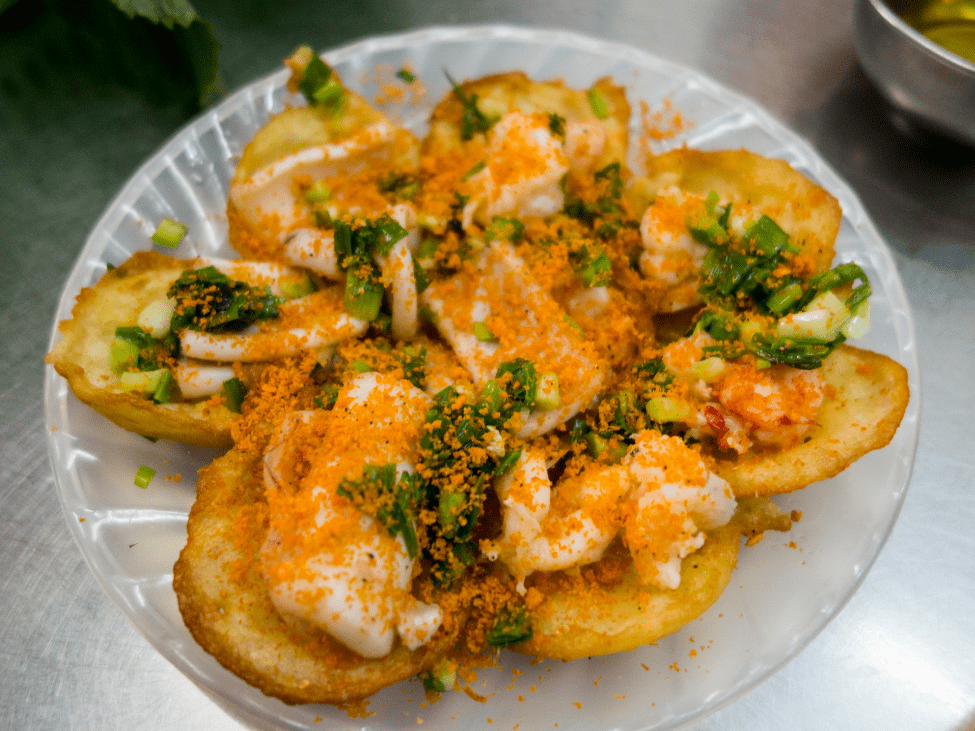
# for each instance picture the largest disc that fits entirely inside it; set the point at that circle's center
(780, 597)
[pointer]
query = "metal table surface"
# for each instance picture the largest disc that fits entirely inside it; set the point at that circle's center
(901, 655)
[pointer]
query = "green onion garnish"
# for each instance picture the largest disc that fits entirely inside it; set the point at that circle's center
(510, 627)
(406, 76)
(170, 233)
(427, 248)
(143, 476)
(320, 88)
(473, 120)
(483, 333)
(363, 292)
(163, 392)
(664, 409)
(556, 124)
(548, 397)
(234, 391)
(318, 192)
(473, 171)
(597, 103)
(440, 678)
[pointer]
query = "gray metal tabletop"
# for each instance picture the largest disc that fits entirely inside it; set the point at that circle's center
(900, 655)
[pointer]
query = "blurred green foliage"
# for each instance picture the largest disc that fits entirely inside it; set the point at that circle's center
(160, 48)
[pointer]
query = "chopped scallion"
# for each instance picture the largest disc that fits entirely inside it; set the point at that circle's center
(483, 333)
(597, 103)
(143, 476)
(547, 396)
(169, 233)
(125, 355)
(163, 392)
(664, 409)
(474, 171)
(318, 192)
(234, 391)
(406, 75)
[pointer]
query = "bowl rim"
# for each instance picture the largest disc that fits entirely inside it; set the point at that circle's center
(890, 16)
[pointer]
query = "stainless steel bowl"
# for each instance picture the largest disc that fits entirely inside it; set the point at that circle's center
(929, 84)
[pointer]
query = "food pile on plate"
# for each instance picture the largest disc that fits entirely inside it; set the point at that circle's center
(489, 389)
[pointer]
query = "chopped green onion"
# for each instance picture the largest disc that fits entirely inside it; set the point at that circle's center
(473, 171)
(749, 329)
(596, 272)
(709, 370)
(420, 276)
(207, 299)
(155, 317)
(406, 75)
(170, 233)
(360, 366)
(547, 396)
(556, 124)
(125, 355)
(363, 293)
(522, 388)
(293, 290)
(320, 88)
(441, 678)
(397, 516)
(597, 103)
(482, 333)
(595, 444)
(143, 476)
(509, 460)
(857, 326)
(782, 299)
(145, 381)
(506, 229)
(819, 325)
(450, 508)
(510, 627)
(234, 392)
(492, 395)
(318, 193)
(664, 409)
(473, 120)
(163, 392)
(427, 248)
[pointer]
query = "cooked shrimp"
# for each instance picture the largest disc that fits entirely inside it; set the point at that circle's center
(584, 144)
(670, 255)
(326, 562)
(779, 403)
(662, 495)
(522, 173)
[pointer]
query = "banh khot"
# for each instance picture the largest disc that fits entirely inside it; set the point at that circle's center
(489, 389)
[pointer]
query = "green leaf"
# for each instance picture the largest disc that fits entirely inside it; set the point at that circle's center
(165, 12)
(194, 37)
